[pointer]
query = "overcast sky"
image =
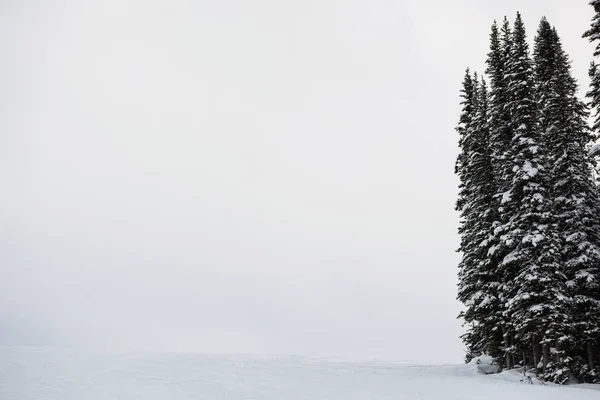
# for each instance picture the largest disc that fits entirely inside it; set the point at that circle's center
(256, 176)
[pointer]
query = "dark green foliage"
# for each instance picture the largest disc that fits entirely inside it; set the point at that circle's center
(476, 205)
(593, 33)
(532, 290)
(530, 210)
(593, 95)
(500, 136)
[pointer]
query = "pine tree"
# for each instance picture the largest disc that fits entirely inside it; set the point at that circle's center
(593, 33)
(477, 288)
(577, 203)
(529, 206)
(554, 305)
(489, 308)
(544, 55)
(465, 125)
(593, 95)
(531, 270)
(468, 265)
(500, 143)
(500, 134)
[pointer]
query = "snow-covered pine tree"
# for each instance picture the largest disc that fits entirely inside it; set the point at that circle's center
(500, 141)
(555, 304)
(468, 272)
(530, 212)
(465, 125)
(488, 308)
(477, 276)
(577, 205)
(544, 55)
(593, 33)
(500, 133)
(532, 268)
(576, 197)
(593, 94)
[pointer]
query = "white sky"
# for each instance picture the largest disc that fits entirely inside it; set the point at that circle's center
(244, 176)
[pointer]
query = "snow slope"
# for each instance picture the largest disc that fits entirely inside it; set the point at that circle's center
(45, 374)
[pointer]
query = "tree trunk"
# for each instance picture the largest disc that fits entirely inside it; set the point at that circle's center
(513, 356)
(590, 355)
(536, 352)
(505, 342)
(545, 356)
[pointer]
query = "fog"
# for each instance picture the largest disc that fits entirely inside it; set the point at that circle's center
(240, 177)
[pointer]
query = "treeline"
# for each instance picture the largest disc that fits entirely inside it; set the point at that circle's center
(529, 276)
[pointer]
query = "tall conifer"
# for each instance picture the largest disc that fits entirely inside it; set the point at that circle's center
(478, 280)
(499, 139)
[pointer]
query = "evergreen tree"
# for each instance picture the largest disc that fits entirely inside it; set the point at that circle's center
(500, 134)
(489, 308)
(544, 55)
(531, 270)
(478, 283)
(577, 203)
(593, 33)
(498, 98)
(554, 305)
(468, 265)
(529, 275)
(593, 95)
(500, 142)
(465, 125)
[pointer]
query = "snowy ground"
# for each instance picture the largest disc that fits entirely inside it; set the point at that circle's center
(43, 374)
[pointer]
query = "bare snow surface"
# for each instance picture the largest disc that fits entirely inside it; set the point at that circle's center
(45, 374)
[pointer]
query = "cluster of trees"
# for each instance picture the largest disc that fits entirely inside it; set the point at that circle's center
(529, 276)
